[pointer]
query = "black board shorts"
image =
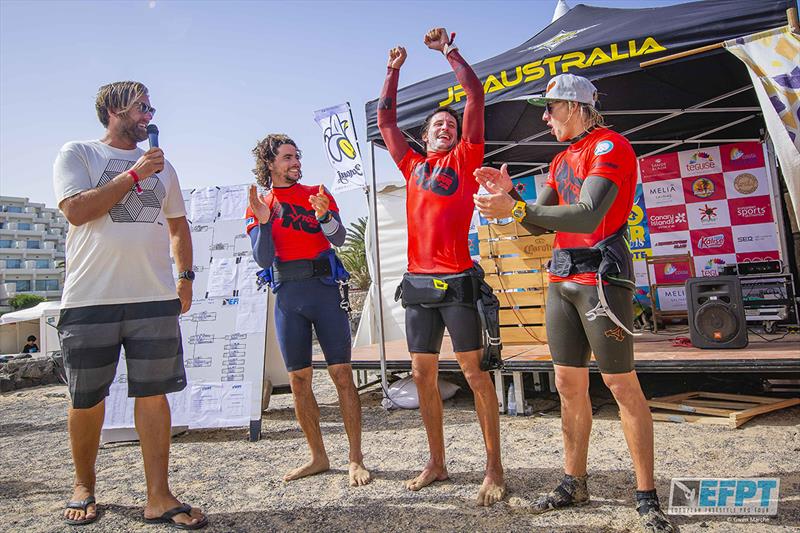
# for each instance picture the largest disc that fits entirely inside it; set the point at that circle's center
(91, 338)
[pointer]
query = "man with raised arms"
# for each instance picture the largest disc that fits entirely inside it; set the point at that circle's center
(439, 188)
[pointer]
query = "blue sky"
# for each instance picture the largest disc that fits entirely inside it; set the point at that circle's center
(223, 74)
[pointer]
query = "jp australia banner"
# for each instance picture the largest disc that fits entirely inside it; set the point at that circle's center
(714, 203)
(341, 147)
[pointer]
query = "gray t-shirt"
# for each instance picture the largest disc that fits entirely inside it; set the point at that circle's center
(124, 256)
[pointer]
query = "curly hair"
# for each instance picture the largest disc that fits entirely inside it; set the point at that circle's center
(446, 109)
(118, 97)
(265, 151)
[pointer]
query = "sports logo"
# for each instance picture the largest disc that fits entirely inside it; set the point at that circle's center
(440, 180)
(560, 38)
(703, 187)
(745, 183)
(617, 334)
(568, 184)
(603, 147)
(299, 218)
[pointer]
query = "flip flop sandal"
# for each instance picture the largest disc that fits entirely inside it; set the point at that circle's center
(167, 518)
(82, 505)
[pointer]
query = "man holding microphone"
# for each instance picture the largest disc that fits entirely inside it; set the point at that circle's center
(126, 212)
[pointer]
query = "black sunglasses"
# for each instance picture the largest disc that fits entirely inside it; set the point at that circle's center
(550, 105)
(144, 108)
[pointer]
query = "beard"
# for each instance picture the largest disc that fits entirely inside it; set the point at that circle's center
(132, 131)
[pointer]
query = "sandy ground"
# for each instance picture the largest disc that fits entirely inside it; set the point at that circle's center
(239, 485)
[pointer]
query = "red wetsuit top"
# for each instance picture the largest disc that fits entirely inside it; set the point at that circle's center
(439, 187)
(296, 232)
(603, 153)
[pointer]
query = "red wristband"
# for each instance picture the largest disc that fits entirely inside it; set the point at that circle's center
(135, 177)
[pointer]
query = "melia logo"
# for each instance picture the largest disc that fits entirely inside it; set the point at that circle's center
(711, 241)
(663, 189)
(700, 161)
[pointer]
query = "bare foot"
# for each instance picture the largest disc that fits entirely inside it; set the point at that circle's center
(430, 474)
(359, 475)
(157, 507)
(80, 493)
(492, 490)
(315, 466)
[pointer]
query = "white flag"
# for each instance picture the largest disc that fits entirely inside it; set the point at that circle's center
(341, 147)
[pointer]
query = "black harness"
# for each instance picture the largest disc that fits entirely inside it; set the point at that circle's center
(468, 289)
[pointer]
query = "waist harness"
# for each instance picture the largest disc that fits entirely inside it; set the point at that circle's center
(328, 268)
(610, 259)
(467, 289)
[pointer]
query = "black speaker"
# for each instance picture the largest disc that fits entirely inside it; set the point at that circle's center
(716, 312)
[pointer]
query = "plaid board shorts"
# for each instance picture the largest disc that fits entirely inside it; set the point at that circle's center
(91, 337)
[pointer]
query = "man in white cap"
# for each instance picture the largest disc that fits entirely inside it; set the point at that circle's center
(587, 199)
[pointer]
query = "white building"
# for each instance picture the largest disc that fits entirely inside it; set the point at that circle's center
(32, 239)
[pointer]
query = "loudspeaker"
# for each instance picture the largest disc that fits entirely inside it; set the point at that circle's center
(716, 312)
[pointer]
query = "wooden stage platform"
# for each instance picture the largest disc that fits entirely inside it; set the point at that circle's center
(654, 353)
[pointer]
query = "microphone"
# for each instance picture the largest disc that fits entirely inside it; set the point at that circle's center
(152, 135)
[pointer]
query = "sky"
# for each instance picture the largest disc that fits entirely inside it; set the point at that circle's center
(224, 74)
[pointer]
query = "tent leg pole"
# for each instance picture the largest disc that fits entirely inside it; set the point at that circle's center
(375, 240)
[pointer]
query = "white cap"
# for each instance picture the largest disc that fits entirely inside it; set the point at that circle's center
(567, 87)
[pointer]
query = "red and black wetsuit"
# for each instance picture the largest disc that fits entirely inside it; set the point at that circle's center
(439, 207)
(439, 187)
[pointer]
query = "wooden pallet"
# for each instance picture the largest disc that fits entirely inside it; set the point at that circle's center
(730, 410)
(514, 262)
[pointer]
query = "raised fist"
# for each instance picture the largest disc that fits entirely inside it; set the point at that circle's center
(437, 39)
(397, 56)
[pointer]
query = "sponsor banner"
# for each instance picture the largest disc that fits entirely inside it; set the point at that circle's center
(750, 210)
(755, 238)
(659, 167)
(754, 257)
(676, 242)
(341, 147)
(677, 272)
(671, 298)
(711, 241)
(744, 183)
(708, 214)
(699, 162)
(637, 222)
(666, 219)
(741, 156)
(710, 265)
(641, 255)
(704, 188)
(664, 192)
(724, 496)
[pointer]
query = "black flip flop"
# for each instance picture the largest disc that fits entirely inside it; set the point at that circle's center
(167, 518)
(82, 505)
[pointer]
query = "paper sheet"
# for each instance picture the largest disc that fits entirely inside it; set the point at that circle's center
(251, 314)
(246, 277)
(203, 205)
(233, 203)
(222, 277)
(119, 408)
(220, 404)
